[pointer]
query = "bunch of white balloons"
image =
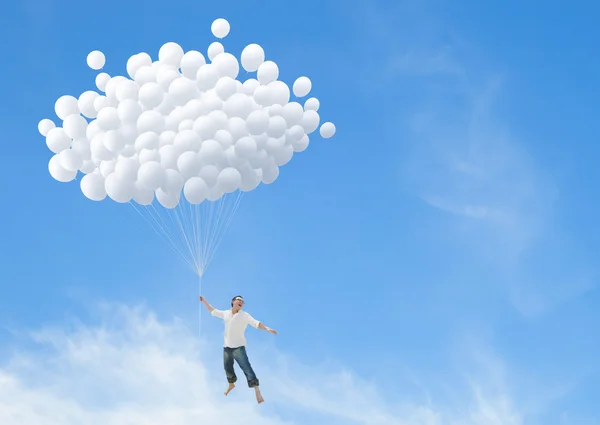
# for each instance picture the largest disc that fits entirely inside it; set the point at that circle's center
(181, 124)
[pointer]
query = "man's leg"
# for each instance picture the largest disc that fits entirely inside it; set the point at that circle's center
(241, 358)
(229, 371)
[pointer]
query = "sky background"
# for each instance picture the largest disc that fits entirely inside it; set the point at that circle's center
(432, 264)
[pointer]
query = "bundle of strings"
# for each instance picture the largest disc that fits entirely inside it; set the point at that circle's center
(193, 231)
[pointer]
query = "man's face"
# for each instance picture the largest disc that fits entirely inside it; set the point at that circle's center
(238, 302)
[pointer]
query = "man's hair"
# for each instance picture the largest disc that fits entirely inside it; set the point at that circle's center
(237, 296)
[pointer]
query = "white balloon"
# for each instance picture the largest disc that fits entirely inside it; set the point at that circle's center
(108, 118)
(92, 186)
(188, 140)
(252, 57)
(102, 80)
(277, 127)
(238, 105)
(301, 144)
(302, 86)
(310, 121)
(189, 164)
(295, 133)
(128, 151)
(195, 190)
(205, 127)
(169, 155)
(87, 167)
(151, 175)
(99, 103)
(106, 168)
(166, 138)
(227, 65)
(70, 160)
(209, 173)
(85, 103)
(207, 77)
(262, 96)
(57, 140)
(146, 140)
(214, 50)
(270, 173)
(96, 60)
(151, 95)
(143, 196)
(275, 110)
(127, 169)
(250, 85)
(92, 130)
(75, 126)
(98, 150)
(65, 106)
(118, 190)
(170, 54)
(257, 122)
(167, 200)
(219, 119)
(151, 121)
(225, 88)
(224, 138)
(214, 193)
(165, 76)
(220, 28)
(232, 159)
(127, 89)
(173, 182)
(260, 159)
(245, 147)
(183, 90)
(284, 155)
(229, 180)
(82, 147)
(129, 111)
(135, 62)
(211, 152)
(237, 127)
(293, 113)
(191, 63)
(148, 155)
(186, 124)
(45, 125)
(58, 172)
(327, 130)
(267, 72)
(312, 104)
(279, 93)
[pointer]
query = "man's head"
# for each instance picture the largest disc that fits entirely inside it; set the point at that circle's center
(237, 301)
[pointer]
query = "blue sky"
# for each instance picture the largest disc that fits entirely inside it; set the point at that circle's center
(433, 263)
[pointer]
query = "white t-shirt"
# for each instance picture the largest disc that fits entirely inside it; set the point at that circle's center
(235, 326)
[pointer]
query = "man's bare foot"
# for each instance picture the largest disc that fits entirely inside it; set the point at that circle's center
(259, 397)
(231, 387)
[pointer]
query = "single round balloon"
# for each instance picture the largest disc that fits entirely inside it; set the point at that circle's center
(92, 186)
(214, 50)
(96, 60)
(220, 28)
(195, 190)
(302, 86)
(58, 172)
(45, 125)
(65, 106)
(170, 54)
(252, 57)
(327, 130)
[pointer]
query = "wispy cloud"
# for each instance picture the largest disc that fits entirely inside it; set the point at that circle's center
(136, 368)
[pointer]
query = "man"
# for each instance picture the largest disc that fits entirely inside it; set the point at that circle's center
(234, 347)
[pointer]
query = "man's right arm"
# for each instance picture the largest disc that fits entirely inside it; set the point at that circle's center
(213, 311)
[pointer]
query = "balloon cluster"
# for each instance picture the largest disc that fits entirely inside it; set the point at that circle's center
(181, 124)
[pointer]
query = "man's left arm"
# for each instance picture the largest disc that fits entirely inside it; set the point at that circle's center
(259, 325)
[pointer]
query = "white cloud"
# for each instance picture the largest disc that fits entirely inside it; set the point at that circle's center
(136, 369)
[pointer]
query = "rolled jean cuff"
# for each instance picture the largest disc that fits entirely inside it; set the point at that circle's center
(253, 383)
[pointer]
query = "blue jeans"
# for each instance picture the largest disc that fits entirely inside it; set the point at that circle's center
(239, 355)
